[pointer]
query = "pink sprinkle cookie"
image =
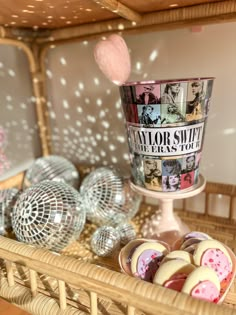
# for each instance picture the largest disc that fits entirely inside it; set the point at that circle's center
(214, 254)
(206, 290)
(203, 283)
(218, 261)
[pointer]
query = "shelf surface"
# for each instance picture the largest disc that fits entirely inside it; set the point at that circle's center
(53, 14)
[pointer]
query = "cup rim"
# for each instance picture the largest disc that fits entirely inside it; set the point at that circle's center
(143, 82)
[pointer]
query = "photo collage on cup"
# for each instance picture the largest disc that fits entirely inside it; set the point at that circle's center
(198, 99)
(148, 104)
(171, 174)
(167, 103)
(137, 168)
(209, 87)
(173, 102)
(128, 102)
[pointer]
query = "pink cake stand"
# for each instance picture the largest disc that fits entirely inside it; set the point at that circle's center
(164, 224)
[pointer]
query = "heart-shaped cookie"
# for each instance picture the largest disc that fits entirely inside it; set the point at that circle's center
(112, 57)
(203, 283)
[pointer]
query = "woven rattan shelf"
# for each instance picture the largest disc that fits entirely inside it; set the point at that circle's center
(58, 20)
(77, 282)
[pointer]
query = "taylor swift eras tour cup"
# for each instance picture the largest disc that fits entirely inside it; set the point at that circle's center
(166, 122)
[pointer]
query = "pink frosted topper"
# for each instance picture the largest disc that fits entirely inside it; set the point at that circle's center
(112, 57)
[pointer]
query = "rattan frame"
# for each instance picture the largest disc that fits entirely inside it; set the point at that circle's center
(99, 287)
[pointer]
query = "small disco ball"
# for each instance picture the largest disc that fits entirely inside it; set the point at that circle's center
(127, 233)
(48, 214)
(8, 198)
(106, 194)
(51, 167)
(117, 219)
(105, 240)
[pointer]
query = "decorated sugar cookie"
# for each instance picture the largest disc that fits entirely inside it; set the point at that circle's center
(191, 248)
(204, 268)
(126, 254)
(146, 260)
(189, 239)
(198, 235)
(173, 273)
(178, 254)
(190, 242)
(214, 254)
(203, 283)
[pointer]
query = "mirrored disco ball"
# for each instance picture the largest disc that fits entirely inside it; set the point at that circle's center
(105, 240)
(48, 214)
(51, 167)
(116, 220)
(106, 194)
(127, 232)
(8, 198)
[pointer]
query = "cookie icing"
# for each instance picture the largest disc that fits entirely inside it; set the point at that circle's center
(146, 260)
(147, 264)
(198, 276)
(176, 282)
(206, 290)
(218, 261)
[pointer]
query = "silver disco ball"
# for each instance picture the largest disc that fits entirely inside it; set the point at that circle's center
(51, 167)
(48, 214)
(7, 200)
(106, 194)
(127, 233)
(105, 241)
(116, 220)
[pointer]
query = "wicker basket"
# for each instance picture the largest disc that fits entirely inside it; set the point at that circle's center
(77, 282)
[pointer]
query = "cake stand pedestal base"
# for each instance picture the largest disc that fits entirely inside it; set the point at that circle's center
(164, 224)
